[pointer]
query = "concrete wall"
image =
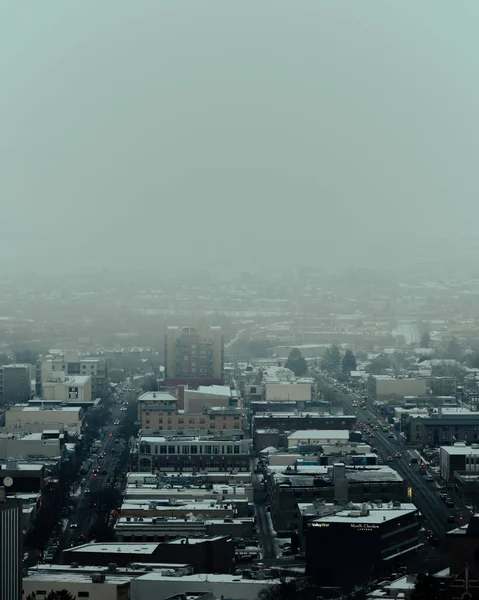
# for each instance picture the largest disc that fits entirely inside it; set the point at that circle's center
(59, 391)
(385, 388)
(97, 591)
(21, 448)
(16, 416)
(288, 392)
(195, 402)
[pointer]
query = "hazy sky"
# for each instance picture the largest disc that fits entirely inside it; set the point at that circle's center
(195, 133)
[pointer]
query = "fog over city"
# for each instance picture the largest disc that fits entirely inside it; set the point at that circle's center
(183, 135)
(239, 300)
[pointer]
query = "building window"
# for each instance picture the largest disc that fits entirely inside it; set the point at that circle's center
(191, 421)
(207, 449)
(171, 450)
(181, 421)
(83, 594)
(236, 449)
(194, 450)
(229, 449)
(163, 450)
(186, 449)
(236, 418)
(216, 450)
(202, 421)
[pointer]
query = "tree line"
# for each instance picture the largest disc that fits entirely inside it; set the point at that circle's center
(333, 361)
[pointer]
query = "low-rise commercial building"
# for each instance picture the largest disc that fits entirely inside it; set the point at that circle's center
(95, 586)
(24, 416)
(159, 411)
(390, 534)
(442, 428)
(15, 383)
(387, 388)
(152, 454)
(305, 484)
(458, 457)
(285, 391)
(38, 445)
(74, 390)
(318, 437)
(207, 396)
(290, 421)
(177, 509)
(26, 476)
(59, 364)
(163, 586)
(205, 555)
(155, 529)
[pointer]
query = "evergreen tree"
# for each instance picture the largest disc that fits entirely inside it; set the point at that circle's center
(349, 362)
(453, 350)
(425, 340)
(332, 360)
(296, 362)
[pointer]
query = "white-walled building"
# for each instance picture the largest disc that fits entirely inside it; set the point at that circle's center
(161, 586)
(205, 397)
(59, 364)
(285, 391)
(384, 387)
(29, 445)
(74, 389)
(318, 437)
(23, 416)
(94, 586)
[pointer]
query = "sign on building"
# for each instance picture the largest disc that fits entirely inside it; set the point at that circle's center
(73, 393)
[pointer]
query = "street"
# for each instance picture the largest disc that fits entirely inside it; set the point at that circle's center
(424, 494)
(91, 485)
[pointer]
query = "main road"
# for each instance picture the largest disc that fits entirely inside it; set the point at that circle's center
(85, 511)
(424, 494)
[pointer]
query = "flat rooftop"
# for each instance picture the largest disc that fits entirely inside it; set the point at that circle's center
(116, 548)
(216, 390)
(460, 450)
(319, 434)
(303, 415)
(157, 396)
(74, 576)
(45, 409)
(374, 515)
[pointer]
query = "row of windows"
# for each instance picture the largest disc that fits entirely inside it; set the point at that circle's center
(193, 419)
(79, 594)
(202, 426)
(193, 449)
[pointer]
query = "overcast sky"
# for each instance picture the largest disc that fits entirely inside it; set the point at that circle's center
(190, 134)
